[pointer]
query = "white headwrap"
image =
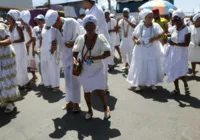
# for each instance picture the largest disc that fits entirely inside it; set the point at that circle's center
(179, 13)
(51, 17)
(15, 14)
(197, 16)
(171, 11)
(89, 18)
(126, 10)
(112, 15)
(144, 13)
(25, 16)
(107, 11)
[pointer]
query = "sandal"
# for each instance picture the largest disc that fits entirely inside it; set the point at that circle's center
(187, 91)
(56, 89)
(68, 106)
(88, 116)
(175, 92)
(107, 113)
(76, 108)
(9, 108)
(137, 89)
(154, 88)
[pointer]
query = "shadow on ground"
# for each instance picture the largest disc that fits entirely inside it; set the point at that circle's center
(7, 118)
(96, 128)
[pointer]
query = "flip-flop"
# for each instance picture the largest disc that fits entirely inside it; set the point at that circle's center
(9, 108)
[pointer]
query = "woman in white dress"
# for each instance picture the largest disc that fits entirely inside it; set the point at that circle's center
(29, 37)
(8, 84)
(17, 38)
(93, 48)
(146, 64)
(194, 47)
(176, 61)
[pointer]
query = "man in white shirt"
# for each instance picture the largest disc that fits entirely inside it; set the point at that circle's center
(67, 32)
(126, 25)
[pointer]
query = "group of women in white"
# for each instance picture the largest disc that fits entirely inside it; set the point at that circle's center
(58, 39)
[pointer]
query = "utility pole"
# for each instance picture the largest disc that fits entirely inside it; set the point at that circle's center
(109, 4)
(49, 4)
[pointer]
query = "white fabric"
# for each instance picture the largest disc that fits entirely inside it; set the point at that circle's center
(38, 33)
(49, 67)
(15, 14)
(82, 29)
(179, 13)
(70, 32)
(107, 11)
(51, 17)
(145, 13)
(93, 77)
(89, 18)
(126, 10)
(25, 16)
(127, 44)
(146, 65)
(113, 38)
(194, 47)
(21, 59)
(176, 60)
(197, 16)
(101, 29)
(171, 11)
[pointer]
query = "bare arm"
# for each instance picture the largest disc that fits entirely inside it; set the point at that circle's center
(5, 42)
(30, 35)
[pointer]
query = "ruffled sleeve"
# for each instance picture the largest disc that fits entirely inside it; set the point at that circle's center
(157, 29)
(137, 30)
(79, 43)
(105, 46)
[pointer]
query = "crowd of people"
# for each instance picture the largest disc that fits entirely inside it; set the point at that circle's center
(150, 48)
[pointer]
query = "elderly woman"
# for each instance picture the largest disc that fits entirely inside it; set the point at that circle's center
(29, 37)
(93, 48)
(17, 38)
(146, 64)
(194, 47)
(8, 86)
(176, 62)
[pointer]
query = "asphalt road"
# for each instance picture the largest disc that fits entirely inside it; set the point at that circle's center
(135, 116)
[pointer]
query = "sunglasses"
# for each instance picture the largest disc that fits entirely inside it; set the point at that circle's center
(176, 19)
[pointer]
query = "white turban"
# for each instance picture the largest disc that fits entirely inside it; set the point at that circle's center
(25, 16)
(126, 10)
(107, 11)
(89, 18)
(145, 13)
(197, 16)
(51, 17)
(15, 14)
(179, 13)
(112, 15)
(171, 11)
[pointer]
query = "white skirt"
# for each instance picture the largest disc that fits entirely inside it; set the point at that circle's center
(194, 54)
(93, 77)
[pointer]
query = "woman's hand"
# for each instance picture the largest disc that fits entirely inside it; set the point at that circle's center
(74, 61)
(152, 40)
(137, 41)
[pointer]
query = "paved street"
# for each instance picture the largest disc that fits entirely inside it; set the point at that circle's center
(145, 116)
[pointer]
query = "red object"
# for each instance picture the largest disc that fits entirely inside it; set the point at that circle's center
(155, 11)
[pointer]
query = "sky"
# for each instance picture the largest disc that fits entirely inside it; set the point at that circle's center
(186, 5)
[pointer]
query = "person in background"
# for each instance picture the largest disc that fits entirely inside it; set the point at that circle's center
(95, 10)
(9, 91)
(127, 26)
(117, 43)
(67, 32)
(111, 24)
(29, 37)
(17, 39)
(146, 65)
(162, 22)
(50, 57)
(194, 47)
(80, 21)
(93, 48)
(40, 19)
(176, 61)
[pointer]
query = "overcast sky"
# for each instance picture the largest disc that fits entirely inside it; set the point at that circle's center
(183, 4)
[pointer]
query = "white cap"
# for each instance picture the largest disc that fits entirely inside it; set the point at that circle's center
(197, 16)
(107, 11)
(126, 10)
(144, 13)
(51, 17)
(89, 18)
(179, 13)
(25, 16)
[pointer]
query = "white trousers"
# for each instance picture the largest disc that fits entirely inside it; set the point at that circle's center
(50, 72)
(105, 62)
(126, 48)
(72, 85)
